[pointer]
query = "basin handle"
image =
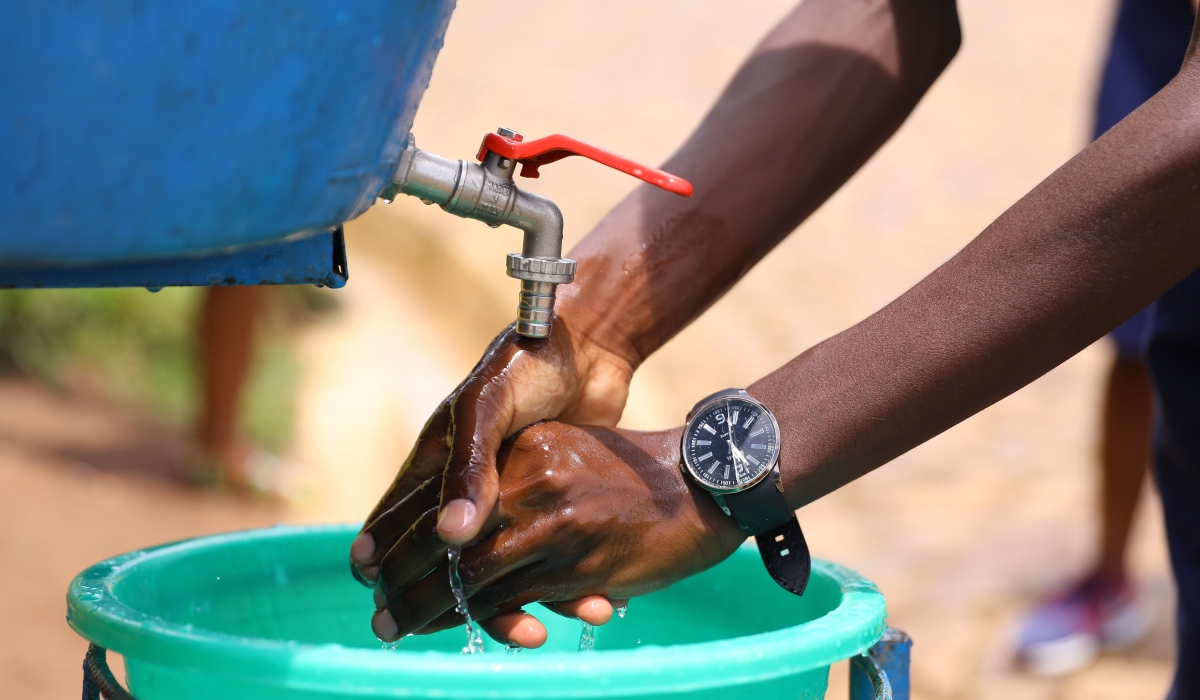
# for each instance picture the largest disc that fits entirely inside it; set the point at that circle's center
(880, 686)
(882, 671)
(534, 154)
(98, 680)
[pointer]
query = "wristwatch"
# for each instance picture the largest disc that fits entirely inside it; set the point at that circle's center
(731, 448)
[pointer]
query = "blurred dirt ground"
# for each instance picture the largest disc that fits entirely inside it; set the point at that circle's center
(960, 534)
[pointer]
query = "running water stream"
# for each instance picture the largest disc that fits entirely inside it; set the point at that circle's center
(587, 633)
(474, 638)
(587, 637)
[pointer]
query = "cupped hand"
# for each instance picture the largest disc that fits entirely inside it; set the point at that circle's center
(449, 483)
(582, 512)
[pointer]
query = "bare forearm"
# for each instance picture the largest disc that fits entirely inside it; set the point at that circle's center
(1102, 237)
(822, 92)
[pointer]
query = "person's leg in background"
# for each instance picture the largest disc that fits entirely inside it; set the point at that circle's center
(228, 323)
(227, 329)
(1066, 631)
(1124, 455)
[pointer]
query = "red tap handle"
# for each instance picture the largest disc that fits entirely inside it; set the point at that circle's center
(534, 154)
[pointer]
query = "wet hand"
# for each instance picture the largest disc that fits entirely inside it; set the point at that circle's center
(518, 382)
(582, 512)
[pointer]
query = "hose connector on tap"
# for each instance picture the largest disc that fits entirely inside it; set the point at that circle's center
(485, 191)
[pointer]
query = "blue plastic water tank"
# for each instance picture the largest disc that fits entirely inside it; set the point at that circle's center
(134, 129)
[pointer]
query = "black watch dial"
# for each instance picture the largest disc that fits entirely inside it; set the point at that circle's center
(730, 443)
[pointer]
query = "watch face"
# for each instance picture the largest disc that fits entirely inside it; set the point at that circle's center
(730, 444)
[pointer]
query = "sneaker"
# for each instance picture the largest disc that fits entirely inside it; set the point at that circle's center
(1066, 632)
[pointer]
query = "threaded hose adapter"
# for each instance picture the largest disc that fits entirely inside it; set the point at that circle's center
(539, 278)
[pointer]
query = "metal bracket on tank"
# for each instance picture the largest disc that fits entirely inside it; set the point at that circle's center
(319, 259)
(98, 680)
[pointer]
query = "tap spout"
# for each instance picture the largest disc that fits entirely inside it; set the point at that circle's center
(486, 192)
(542, 223)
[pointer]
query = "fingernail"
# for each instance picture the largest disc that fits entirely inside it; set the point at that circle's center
(384, 626)
(380, 598)
(363, 548)
(454, 521)
(360, 574)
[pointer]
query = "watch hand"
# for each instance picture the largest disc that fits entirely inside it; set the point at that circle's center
(729, 427)
(736, 454)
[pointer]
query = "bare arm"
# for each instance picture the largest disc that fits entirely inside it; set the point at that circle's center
(1110, 231)
(811, 104)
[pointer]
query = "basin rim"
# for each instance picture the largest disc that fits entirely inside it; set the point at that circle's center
(98, 615)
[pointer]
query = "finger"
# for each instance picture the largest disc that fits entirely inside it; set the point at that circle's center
(427, 458)
(514, 627)
(420, 604)
(426, 599)
(488, 604)
(517, 627)
(484, 606)
(419, 549)
(384, 626)
(592, 609)
(481, 418)
(380, 536)
(414, 555)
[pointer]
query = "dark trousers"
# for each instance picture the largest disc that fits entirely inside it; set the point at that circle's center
(1173, 354)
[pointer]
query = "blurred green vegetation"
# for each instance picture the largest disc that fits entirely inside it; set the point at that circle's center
(139, 349)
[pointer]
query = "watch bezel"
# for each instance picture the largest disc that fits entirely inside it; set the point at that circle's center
(701, 409)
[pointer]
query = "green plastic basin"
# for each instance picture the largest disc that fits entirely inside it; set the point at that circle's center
(274, 614)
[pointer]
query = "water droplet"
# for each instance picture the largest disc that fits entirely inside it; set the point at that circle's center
(153, 290)
(621, 610)
(392, 646)
(512, 649)
(89, 593)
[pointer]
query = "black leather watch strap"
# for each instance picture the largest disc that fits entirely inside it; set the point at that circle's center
(758, 508)
(762, 512)
(785, 554)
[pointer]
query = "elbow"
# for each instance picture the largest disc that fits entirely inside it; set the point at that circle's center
(930, 35)
(542, 222)
(948, 35)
